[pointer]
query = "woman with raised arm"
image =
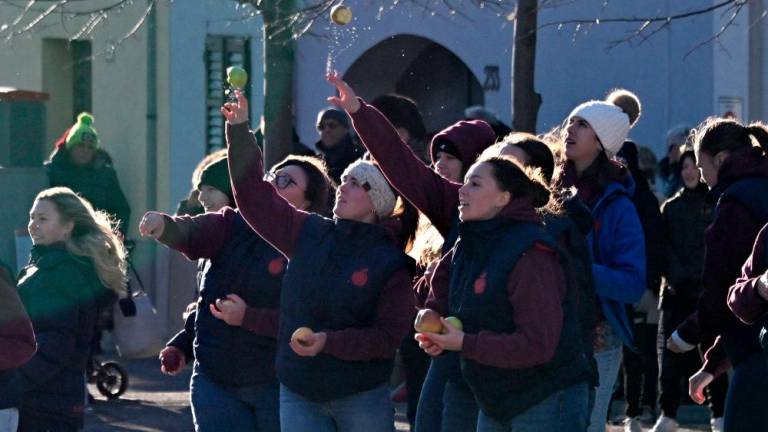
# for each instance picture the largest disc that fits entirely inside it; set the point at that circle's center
(231, 337)
(346, 302)
(435, 193)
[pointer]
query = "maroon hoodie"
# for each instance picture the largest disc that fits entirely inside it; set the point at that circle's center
(537, 296)
(728, 243)
(430, 193)
(17, 339)
(281, 227)
(743, 297)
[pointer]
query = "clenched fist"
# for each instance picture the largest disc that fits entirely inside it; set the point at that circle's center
(152, 225)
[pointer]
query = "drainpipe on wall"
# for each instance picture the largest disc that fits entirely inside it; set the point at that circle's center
(154, 264)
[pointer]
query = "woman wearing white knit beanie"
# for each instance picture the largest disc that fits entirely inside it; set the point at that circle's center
(593, 134)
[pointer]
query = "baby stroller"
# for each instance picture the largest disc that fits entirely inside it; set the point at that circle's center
(110, 378)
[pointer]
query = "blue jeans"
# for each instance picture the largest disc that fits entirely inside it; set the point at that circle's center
(745, 405)
(566, 410)
(431, 415)
(216, 408)
(368, 411)
(9, 419)
(608, 362)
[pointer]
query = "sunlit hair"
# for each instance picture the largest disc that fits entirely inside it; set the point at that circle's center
(93, 236)
(719, 134)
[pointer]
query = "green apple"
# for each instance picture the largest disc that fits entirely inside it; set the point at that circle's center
(452, 320)
(341, 14)
(237, 77)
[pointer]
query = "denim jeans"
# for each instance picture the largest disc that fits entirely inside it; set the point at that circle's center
(216, 408)
(608, 362)
(368, 411)
(565, 410)
(745, 405)
(9, 419)
(431, 415)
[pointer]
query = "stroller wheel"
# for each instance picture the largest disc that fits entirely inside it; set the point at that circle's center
(111, 380)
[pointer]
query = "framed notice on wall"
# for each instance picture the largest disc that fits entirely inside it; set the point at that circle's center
(731, 107)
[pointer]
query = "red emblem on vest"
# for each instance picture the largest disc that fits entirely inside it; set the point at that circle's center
(276, 266)
(480, 284)
(360, 277)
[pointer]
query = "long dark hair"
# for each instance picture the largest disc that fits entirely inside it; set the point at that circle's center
(320, 188)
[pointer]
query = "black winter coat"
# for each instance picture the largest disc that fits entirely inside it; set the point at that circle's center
(96, 182)
(686, 216)
(62, 294)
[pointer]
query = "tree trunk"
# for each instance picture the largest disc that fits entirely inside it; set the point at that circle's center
(279, 52)
(525, 100)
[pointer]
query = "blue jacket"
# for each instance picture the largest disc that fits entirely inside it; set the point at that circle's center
(617, 243)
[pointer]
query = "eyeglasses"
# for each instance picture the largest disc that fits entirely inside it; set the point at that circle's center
(327, 125)
(282, 181)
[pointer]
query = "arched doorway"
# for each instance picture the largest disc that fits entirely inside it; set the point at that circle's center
(427, 72)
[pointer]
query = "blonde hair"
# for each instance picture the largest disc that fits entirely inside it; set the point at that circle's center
(93, 236)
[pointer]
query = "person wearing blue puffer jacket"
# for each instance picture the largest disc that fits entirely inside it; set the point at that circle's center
(592, 135)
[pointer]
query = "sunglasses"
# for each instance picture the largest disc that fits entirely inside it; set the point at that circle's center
(282, 181)
(327, 125)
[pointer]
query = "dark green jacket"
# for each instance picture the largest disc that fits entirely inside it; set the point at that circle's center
(61, 293)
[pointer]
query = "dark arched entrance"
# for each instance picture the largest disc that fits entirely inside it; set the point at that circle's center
(440, 83)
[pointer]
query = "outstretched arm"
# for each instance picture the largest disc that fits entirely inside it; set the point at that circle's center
(269, 214)
(433, 195)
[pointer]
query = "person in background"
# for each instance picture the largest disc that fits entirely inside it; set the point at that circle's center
(669, 170)
(336, 145)
(79, 163)
(77, 265)
(641, 367)
(479, 112)
(404, 115)
(686, 216)
(17, 346)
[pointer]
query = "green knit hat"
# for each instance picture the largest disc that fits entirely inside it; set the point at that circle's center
(82, 131)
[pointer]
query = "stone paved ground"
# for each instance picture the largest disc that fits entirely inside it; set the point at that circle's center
(158, 403)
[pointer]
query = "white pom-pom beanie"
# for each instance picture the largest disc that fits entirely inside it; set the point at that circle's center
(366, 173)
(609, 122)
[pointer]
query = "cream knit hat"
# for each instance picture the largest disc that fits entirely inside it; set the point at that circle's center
(366, 173)
(611, 119)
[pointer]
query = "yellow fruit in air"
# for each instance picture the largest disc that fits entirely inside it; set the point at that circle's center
(301, 335)
(452, 320)
(341, 14)
(237, 77)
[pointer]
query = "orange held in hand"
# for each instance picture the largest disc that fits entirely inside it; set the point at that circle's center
(302, 335)
(428, 321)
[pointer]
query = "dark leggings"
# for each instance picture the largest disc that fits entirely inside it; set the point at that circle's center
(675, 369)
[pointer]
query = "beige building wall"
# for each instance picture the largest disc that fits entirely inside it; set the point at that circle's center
(39, 60)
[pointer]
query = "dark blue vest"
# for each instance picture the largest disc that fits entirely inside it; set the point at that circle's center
(500, 392)
(740, 340)
(251, 268)
(333, 282)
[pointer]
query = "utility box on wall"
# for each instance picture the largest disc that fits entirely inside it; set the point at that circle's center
(22, 127)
